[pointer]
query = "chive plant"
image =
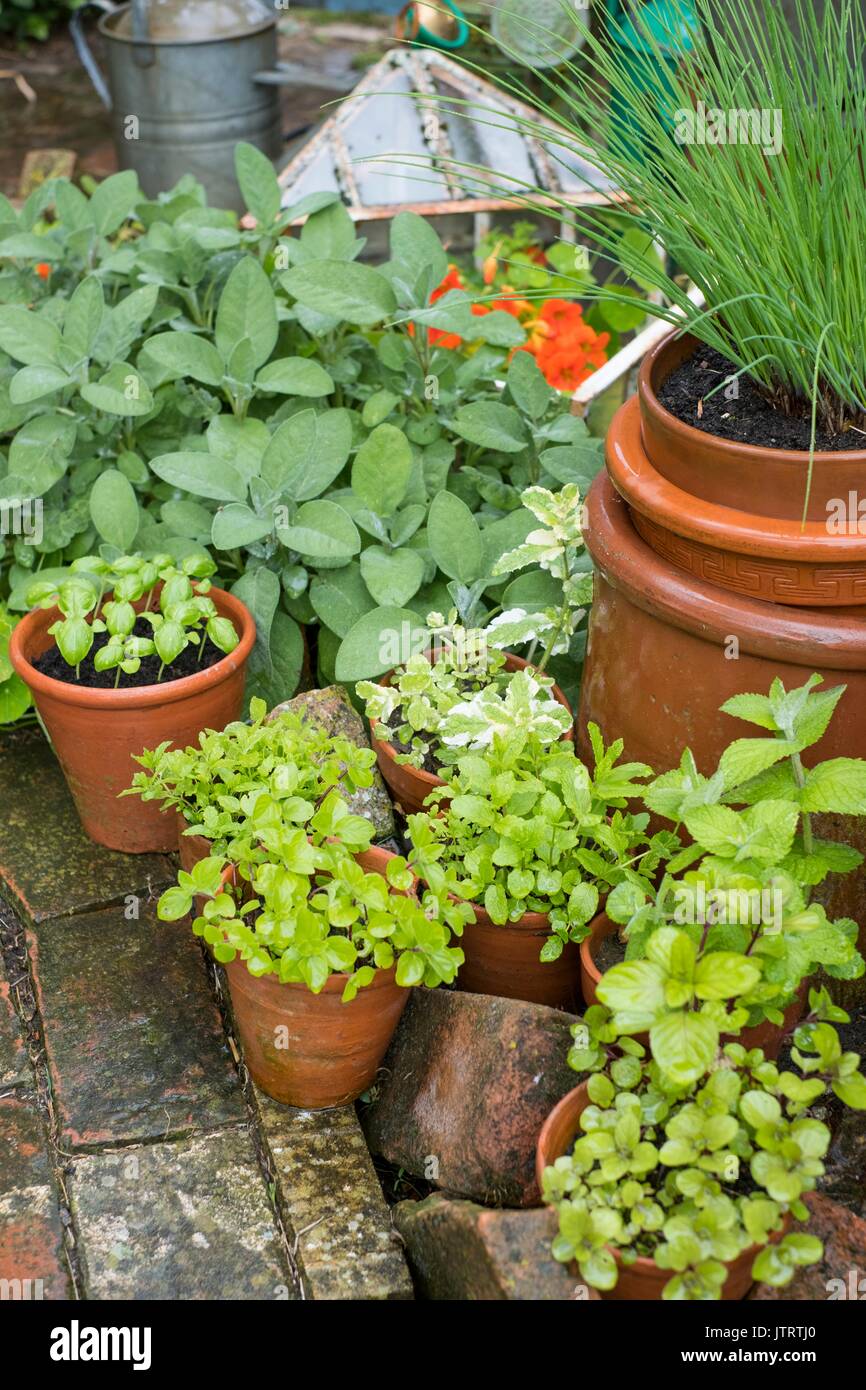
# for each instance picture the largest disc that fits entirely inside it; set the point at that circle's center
(745, 161)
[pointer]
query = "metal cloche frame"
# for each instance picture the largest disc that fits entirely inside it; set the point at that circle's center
(356, 153)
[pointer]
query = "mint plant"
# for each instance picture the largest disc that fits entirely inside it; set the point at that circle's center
(525, 827)
(744, 884)
(292, 901)
(217, 787)
(693, 1166)
(185, 615)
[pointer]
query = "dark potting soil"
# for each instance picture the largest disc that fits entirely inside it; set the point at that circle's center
(51, 664)
(429, 764)
(750, 419)
(610, 951)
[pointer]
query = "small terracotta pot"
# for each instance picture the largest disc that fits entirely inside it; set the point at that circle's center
(191, 848)
(769, 558)
(769, 1036)
(96, 733)
(312, 1050)
(504, 961)
(762, 482)
(642, 1280)
(410, 786)
(665, 650)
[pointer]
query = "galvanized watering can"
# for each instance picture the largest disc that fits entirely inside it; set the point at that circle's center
(186, 81)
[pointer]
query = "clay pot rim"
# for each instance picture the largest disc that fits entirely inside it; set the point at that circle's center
(335, 981)
(529, 922)
(141, 697)
(430, 779)
(688, 437)
(822, 639)
(643, 1263)
(595, 932)
(724, 528)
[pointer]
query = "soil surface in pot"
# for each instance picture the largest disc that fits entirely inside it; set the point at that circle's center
(751, 419)
(430, 763)
(51, 664)
(608, 952)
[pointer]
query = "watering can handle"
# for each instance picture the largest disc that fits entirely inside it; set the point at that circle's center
(143, 55)
(88, 62)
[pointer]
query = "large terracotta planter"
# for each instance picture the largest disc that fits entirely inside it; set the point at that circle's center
(642, 1280)
(757, 482)
(504, 961)
(770, 558)
(410, 786)
(665, 650)
(769, 1036)
(96, 733)
(312, 1050)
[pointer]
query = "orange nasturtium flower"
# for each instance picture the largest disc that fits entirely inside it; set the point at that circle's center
(43, 269)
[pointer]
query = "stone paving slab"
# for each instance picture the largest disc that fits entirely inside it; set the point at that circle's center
(841, 1273)
(49, 866)
(13, 1057)
(31, 1235)
(331, 1202)
(183, 1220)
(134, 1041)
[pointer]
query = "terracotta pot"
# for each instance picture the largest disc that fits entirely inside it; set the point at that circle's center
(191, 848)
(504, 961)
(642, 1280)
(762, 482)
(665, 651)
(767, 1035)
(312, 1050)
(768, 558)
(328, 1052)
(95, 733)
(409, 786)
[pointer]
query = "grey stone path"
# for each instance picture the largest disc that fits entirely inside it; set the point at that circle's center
(136, 1161)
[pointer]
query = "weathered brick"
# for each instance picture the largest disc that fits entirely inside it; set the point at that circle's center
(461, 1251)
(48, 865)
(331, 1201)
(466, 1086)
(31, 1235)
(134, 1041)
(183, 1220)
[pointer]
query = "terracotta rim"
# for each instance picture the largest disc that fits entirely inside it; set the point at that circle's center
(655, 369)
(429, 779)
(831, 640)
(544, 1158)
(708, 523)
(36, 623)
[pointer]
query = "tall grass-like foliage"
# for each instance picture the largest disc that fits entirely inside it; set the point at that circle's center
(769, 221)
